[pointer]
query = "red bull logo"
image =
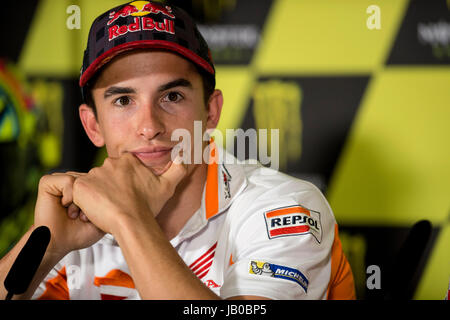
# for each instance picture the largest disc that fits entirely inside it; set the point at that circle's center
(141, 23)
(140, 8)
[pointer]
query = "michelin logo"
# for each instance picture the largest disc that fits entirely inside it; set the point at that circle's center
(280, 272)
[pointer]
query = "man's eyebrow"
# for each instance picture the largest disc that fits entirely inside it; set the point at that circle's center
(175, 83)
(128, 90)
(118, 90)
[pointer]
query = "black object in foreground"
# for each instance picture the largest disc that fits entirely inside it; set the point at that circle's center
(27, 262)
(400, 279)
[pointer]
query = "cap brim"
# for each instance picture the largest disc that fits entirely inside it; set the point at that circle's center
(142, 44)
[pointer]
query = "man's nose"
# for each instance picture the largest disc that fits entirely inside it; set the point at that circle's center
(150, 124)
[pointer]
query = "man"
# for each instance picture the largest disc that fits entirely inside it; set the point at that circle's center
(152, 223)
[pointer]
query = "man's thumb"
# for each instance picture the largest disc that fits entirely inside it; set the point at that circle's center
(175, 173)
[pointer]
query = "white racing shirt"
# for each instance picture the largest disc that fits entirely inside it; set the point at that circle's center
(258, 232)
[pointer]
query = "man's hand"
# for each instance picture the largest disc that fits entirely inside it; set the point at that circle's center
(55, 209)
(123, 188)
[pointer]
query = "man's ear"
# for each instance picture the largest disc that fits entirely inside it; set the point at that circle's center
(215, 104)
(90, 125)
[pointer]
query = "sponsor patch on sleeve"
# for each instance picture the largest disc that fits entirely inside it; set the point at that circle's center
(292, 221)
(276, 271)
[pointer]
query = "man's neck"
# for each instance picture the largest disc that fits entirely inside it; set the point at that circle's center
(184, 203)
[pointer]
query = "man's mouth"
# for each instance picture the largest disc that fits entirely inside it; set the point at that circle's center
(152, 153)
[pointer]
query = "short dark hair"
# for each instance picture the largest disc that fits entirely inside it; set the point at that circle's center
(208, 81)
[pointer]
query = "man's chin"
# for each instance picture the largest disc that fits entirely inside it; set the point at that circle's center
(158, 170)
(157, 167)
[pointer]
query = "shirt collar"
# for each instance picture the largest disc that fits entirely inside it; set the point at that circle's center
(225, 180)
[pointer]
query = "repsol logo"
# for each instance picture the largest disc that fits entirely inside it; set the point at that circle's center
(293, 220)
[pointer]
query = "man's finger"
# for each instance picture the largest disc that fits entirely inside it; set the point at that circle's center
(175, 173)
(76, 174)
(59, 185)
(67, 190)
(83, 217)
(73, 211)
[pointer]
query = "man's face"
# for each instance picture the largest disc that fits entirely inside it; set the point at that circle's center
(141, 98)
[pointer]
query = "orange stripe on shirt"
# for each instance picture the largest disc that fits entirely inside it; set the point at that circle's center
(231, 262)
(56, 288)
(116, 278)
(289, 210)
(212, 184)
(341, 285)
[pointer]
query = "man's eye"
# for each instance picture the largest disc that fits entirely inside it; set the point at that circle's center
(172, 97)
(122, 101)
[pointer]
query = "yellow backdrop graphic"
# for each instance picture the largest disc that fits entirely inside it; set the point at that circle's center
(393, 164)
